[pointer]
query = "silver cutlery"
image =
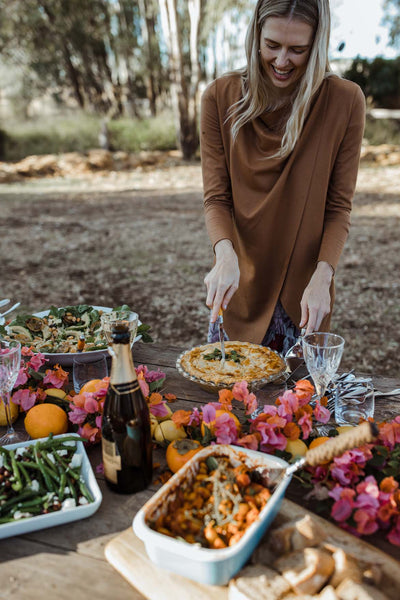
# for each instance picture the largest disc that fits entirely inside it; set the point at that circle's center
(9, 310)
(4, 302)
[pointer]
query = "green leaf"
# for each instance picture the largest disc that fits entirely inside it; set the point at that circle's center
(35, 374)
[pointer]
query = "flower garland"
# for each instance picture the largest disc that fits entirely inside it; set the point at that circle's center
(361, 487)
(86, 408)
(291, 418)
(32, 382)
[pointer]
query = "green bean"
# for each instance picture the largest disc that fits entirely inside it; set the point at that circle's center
(15, 499)
(71, 486)
(17, 486)
(63, 481)
(47, 480)
(25, 473)
(84, 491)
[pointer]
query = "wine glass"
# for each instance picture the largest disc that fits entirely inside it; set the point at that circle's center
(128, 318)
(10, 362)
(322, 355)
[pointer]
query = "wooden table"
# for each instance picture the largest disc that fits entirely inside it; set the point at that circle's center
(68, 561)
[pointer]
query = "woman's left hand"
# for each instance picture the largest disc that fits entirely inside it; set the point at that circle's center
(316, 301)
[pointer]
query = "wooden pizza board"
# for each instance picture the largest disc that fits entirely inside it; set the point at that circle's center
(127, 554)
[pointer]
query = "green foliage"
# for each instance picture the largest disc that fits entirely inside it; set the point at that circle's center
(392, 19)
(378, 78)
(133, 135)
(80, 133)
(382, 131)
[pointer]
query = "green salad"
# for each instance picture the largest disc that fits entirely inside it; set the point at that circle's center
(62, 329)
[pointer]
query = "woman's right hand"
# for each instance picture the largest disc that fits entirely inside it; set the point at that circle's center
(223, 279)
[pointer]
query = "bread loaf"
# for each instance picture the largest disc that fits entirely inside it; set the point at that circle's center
(346, 567)
(352, 590)
(306, 570)
(258, 583)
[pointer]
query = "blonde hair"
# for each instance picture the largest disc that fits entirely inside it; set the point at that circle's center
(257, 93)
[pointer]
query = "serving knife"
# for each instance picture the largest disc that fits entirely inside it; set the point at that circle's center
(221, 335)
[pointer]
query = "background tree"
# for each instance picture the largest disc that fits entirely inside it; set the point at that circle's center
(392, 19)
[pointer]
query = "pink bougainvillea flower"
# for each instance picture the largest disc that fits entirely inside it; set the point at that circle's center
(225, 429)
(208, 412)
(250, 403)
(248, 441)
(394, 534)
(144, 386)
(22, 377)
(55, 377)
(37, 361)
(92, 434)
(25, 398)
(77, 415)
(366, 521)
(305, 423)
(91, 405)
(304, 389)
(389, 433)
(271, 438)
(321, 413)
(159, 410)
(195, 418)
(348, 468)
(99, 420)
(290, 402)
(342, 510)
(240, 390)
(100, 469)
(26, 351)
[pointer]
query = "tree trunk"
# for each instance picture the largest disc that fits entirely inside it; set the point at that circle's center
(184, 98)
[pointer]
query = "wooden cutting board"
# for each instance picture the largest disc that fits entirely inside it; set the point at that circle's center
(127, 554)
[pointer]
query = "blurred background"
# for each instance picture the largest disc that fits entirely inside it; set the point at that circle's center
(100, 178)
(126, 75)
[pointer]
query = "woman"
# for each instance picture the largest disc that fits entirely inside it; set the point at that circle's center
(280, 147)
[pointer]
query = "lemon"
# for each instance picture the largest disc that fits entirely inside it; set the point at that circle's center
(167, 431)
(14, 410)
(296, 448)
(166, 417)
(344, 428)
(56, 393)
(153, 424)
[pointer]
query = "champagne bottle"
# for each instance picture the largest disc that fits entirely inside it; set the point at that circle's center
(126, 437)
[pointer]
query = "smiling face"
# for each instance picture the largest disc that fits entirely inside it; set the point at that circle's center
(285, 45)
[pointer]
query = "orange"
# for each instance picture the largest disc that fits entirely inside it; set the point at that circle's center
(43, 419)
(14, 410)
(180, 451)
(318, 441)
(218, 413)
(94, 385)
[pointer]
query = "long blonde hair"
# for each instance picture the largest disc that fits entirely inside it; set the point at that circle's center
(257, 94)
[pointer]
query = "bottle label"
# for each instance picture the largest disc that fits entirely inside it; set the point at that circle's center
(111, 460)
(125, 388)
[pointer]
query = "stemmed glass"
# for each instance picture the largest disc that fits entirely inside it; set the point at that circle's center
(10, 362)
(322, 355)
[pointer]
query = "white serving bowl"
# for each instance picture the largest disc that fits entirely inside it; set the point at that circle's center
(209, 566)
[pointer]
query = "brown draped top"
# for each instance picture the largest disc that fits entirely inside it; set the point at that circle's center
(282, 215)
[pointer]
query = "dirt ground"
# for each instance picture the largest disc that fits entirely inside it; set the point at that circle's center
(138, 237)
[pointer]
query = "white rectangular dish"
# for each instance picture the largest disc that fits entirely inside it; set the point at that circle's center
(209, 566)
(59, 517)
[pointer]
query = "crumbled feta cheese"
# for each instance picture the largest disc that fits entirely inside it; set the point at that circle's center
(67, 490)
(70, 443)
(1, 461)
(51, 457)
(83, 500)
(19, 451)
(21, 515)
(62, 452)
(76, 460)
(68, 503)
(35, 485)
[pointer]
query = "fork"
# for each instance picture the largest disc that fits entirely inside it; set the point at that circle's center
(2, 315)
(4, 302)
